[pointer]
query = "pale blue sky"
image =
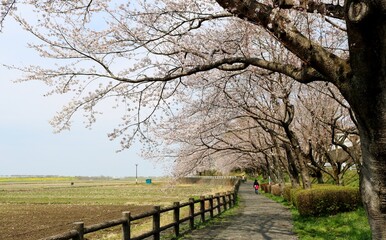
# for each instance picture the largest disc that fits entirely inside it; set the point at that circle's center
(28, 145)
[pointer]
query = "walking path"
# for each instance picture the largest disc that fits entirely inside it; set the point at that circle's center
(257, 217)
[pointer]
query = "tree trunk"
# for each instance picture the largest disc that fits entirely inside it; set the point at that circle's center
(366, 93)
(278, 172)
(319, 176)
(336, 172)
(341, 180)
(304, 171)
(292, 169)
(373, 179)
(295, 183)
(301, 157)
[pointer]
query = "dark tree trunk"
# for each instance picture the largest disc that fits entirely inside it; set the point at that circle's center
(315, 166)
(336, 166)
(304, 170)
(373, 178)
(318, 175)
(292, 169)
(366, 93)
(277, 171)
(300, 156)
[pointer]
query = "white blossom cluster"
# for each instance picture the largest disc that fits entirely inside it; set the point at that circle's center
(6, 7)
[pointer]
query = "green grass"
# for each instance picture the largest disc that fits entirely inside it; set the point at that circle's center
(351, 225)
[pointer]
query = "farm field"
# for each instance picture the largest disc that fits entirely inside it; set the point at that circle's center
(33, 208)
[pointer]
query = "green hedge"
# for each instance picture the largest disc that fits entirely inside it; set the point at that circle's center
(293, 194)
(287, 193)
(326, 200)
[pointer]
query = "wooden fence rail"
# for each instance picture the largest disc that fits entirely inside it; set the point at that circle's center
(207, 205)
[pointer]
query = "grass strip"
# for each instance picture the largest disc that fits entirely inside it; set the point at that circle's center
(350, 225)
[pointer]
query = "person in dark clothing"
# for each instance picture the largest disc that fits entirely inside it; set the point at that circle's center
(256, 186)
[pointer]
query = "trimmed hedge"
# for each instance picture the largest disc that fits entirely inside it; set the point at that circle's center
(293, 193)
(276, 190)
(288, 193)
(265, 187)
(328, 200)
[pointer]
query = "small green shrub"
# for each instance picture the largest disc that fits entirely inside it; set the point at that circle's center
(287, 193)
(293, 194)
(327, 200)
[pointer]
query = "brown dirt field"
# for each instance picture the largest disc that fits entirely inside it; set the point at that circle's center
(37, 221)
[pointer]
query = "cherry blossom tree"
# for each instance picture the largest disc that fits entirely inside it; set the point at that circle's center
(328, 127)
(211, 133)
(6, 7)
(144, 52)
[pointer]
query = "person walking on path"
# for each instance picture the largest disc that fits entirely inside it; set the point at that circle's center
(256, 218)
(256, 186)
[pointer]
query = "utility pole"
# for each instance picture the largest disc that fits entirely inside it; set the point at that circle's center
(136, 173)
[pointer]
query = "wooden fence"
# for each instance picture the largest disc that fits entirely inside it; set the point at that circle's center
(209, 207)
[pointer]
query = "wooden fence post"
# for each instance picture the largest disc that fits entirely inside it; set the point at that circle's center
(211, 205)
(126, 232)
(202, 208)
(157, 222)
(191, 213)
(79, 227)
(217, 196)
(229, 199)
(224, 201)
(177, 218)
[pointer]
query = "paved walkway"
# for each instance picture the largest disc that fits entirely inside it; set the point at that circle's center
(256, 218)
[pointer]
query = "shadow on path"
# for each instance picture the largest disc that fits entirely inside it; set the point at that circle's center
(256, 218)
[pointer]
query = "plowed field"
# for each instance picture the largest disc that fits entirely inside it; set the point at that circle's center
(34, 221)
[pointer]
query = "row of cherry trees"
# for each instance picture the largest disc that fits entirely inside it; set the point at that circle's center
(265, 123)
